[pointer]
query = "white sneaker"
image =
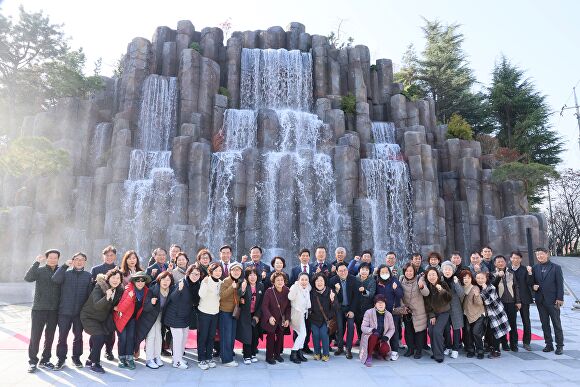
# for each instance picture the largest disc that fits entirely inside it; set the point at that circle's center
(394, 355)
(248, 361)
(203, 365)
(254, 359)
(447, 352)
(232, 363)
(159, 362)
(151, 364)
(211, 364)
(180, 365)
(454, 354)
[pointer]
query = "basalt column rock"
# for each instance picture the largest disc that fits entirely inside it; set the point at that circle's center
(138, 62)
(161, 36)
(234, 60)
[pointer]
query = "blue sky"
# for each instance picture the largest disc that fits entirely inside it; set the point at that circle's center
(540, 36)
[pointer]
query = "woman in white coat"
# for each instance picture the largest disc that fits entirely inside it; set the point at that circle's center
(299, 297)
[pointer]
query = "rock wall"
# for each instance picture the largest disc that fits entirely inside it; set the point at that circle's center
(456, 206)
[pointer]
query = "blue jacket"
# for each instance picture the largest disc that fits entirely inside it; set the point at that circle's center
(296, 270)
(180, 304)
(551, 281)
(354, 266)
(75, 288)
(394, 296)
(159, 268)
(103, 268)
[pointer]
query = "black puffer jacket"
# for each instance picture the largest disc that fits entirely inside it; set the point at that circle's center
(75, 287)
(150, 312)
(46, 292)
(180, 304)
(329, 308)
(96, 312)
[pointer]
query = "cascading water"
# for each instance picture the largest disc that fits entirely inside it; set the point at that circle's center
(388, 188)
(295, 193)
(147, 196)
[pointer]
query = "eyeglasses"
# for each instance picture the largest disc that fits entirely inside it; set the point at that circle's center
(140, 280)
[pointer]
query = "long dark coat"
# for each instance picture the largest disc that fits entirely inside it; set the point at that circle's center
(244, 327)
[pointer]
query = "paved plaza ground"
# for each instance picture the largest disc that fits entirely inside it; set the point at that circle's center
(522, 368)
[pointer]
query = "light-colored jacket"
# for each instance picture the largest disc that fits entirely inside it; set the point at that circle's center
(369, 323)
(209, 296)
(413, 299)
(300, 303)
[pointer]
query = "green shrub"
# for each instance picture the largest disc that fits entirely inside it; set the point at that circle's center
(195, 46)
(457, 127)
(224, 91)
(373, 67)
(348, 104)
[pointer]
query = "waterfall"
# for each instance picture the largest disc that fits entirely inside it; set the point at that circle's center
(295, 196)
(389, 191)
(148, 190)
(100, 145)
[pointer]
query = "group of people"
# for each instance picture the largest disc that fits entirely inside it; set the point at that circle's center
(442, 307)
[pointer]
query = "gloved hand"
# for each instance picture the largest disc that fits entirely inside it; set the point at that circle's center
(385, 339)
(376, 332)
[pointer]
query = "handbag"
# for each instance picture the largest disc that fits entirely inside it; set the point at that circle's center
(330, 324)
(400, 311)
(237, 310)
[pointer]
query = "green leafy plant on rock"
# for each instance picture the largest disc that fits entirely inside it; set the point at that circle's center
(33, 157)
(224, 91)
(195, 46)
(348, 104)
(458, 127)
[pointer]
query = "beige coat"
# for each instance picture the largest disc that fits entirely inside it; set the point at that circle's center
(473, 307)
(413, 299)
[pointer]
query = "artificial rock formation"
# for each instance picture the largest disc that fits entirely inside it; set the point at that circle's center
(160, 156)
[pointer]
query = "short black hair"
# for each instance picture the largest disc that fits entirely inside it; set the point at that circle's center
(320, 247)
(281, 259)
(518, 253)
(364, 264)
(456, 253)
(475, 252)
(500, 257)
(542, 249)
(486, 247)
(391, 252)
(256, 247)
(52, 251)
(109, 249)
(304, 251)
(226, 247)
(174, 245)
(79, 254)
(367, 252)
(341, 264)
(416, 254)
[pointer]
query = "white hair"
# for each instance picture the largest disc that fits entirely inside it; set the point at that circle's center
(340, 249)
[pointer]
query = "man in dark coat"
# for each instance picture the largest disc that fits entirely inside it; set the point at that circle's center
(340, 256)
(75, 287)
(549, 288)
(320, 266)
(109, 262)
(346, 288)
(262, 268)
(160, 264)
(303, 267)
(226, 260)
(44, 308)
(525, 280)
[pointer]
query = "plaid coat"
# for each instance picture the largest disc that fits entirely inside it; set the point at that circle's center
(498, 320)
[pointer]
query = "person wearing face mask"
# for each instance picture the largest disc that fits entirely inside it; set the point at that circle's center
(75, 287)
(378, 328)
(390, 287)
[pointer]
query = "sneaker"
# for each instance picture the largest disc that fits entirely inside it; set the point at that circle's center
(203, 365)
(548, 348)
(180, 365)
(59, 365)
(131, 364)
(88, 363)
(316, 356)
(254, 359)
(470, 355)
(31, 368)
(394, 356)
(211, 364)
(151, 364)
(97, 368)
(232, 363)
(494, 355)
(279, 359)
(122, 362)
(369, 362)
(348, 354)
(77, 363)
(109, 356)
(339, 351)
(165, 352)
(159, 362)
(527, 347)
(454, 354)
(447, 352)
(325, 358)
(307, 350)
(248, 361)
(271, 361)
(480, 356)
(46, 365)
(559, 351)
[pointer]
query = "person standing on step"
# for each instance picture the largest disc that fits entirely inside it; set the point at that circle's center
(354, 265)
(346, 288)
(299, 297)
(549, 288)
(75, 287)
(303, 267)
(524, 279)
(487, 260)
(476, 265)
(417, 262)
(129, 266)
(109, 254)
(508, 291)
(44, 314)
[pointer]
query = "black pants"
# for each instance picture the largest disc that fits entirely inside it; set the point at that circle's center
(547, 313)
(344, 323)
(525, 315)
(206, 329)
(97, 343)
(64, 325)
(490, 340)
(452, 342)
(414, 340)
(436, 334)
(42, 320)
(108, 343)
(396, 339)
(512, 314)
(308, 332)
(473, 335)
(251, 349)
